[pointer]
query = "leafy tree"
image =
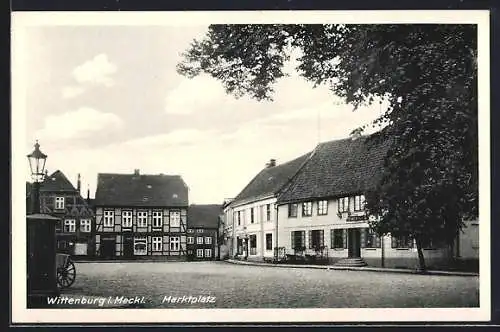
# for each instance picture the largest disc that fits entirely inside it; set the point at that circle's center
(427, 73)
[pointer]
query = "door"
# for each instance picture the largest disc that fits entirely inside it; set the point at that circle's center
(128, 247)
(108, 248)
(354, 243)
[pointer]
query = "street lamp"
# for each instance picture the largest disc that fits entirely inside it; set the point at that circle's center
(37, 161)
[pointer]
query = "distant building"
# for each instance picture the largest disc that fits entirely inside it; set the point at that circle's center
(203, 231)
(141, 216)
(59, 198)
(252, 215)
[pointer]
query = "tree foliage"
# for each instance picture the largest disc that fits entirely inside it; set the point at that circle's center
(428, 74)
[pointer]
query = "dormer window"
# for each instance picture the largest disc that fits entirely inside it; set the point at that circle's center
(175, 196)
(149, 186)
(59, 203)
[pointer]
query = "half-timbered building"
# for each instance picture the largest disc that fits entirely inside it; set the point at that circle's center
(140, 216)
(75, 229)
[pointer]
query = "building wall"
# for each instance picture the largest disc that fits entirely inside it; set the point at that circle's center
(193, 249)
(259, 228)
(120, 235)
(392, 257)
(74, 242)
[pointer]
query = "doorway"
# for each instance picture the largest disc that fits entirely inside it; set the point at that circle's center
(108, 247)
(128, 247)
(354, 243)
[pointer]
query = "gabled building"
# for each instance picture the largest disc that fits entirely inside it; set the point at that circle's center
(253, 213)
(203, 231)
(322, 211)
(141, 216)
(75, 230)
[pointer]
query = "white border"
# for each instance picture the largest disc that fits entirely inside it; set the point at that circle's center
(20, 314)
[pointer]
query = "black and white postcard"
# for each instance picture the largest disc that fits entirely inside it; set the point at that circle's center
(271, 166)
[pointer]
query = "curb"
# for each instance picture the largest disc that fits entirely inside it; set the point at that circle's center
(348, 268)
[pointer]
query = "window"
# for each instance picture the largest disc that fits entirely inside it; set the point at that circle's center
(307, 209)
(140, 246)
(268, 212)
(253, 244)
(292, 210)
(175, 219)
(157, 243)
(109, 218)
(190, 231)
(142, 219)
(316, 239)
(322, 208)
(298, 239)
(371, 239)
(359, 203)
(190, 240)
(208, 253)
(199, 240)
(343, 204)
(401, 242)
(127, 219)
(85, 225)
(199, 230)
(252, 216)
(338, 238)
(208, 240)
(70, 225)
(174, 243)
(157, 219)
(199, 252)
(269, 241)
(59, 203)
(239, 217)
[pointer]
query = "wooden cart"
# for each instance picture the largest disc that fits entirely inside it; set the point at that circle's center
(65, 271)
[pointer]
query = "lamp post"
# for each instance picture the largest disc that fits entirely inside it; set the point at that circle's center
(37, 161)
(41, 240)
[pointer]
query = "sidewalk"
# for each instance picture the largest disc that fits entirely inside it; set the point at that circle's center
(364, 268)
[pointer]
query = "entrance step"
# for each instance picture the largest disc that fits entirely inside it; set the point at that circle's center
(355, 262)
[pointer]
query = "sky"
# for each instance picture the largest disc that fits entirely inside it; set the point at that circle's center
(108, 99)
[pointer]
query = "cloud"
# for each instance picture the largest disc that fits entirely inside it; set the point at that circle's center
(195, 94)
(72, 91)
(179, 137)
(83, 122)
(96, 71)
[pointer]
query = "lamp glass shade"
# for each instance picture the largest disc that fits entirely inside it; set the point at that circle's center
(37, 161)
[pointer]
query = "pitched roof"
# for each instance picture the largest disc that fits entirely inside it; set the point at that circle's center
(141, 190)
(204, 215)
(338, 168)
(270, 180)
(56, 182)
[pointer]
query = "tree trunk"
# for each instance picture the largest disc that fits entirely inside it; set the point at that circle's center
(421, 259)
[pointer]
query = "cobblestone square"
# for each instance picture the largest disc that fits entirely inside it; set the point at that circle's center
(224, 285)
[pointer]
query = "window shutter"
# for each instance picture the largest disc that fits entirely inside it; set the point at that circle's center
(344, 238)
(364, 233)
(322, 238)
(309, 237)
(293, 239)
(332, 238)
(303, 239)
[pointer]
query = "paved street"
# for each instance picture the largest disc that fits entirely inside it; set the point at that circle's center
(238, 286)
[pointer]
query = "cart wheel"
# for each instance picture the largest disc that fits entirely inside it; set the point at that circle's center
(66, 275)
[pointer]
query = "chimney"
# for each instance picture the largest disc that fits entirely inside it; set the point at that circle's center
(271, 163)
(78, 183)
(136, 171)
(88, 194)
